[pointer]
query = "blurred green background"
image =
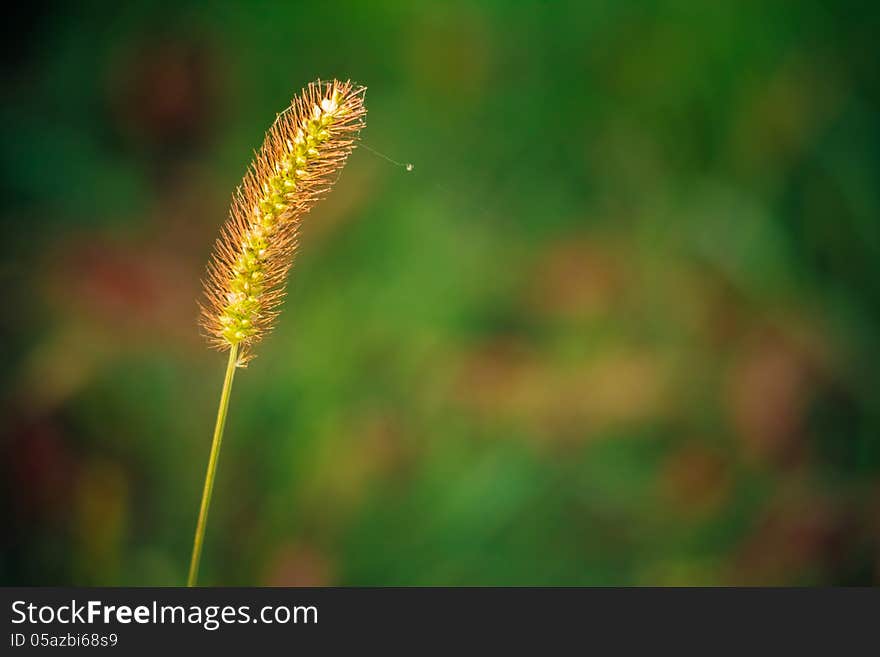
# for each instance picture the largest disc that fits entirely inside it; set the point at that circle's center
(618, 326)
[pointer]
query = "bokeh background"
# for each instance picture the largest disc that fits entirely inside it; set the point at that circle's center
(618, 326)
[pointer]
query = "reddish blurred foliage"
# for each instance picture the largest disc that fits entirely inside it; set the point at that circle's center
(113, 281)
(42, 470)
(164, 93)
(565, 402)
(577, 279)
(722, 310)
(696, 480)
(798, 539)
(493, 374)
(382, 447)
(873, 526)
(768, 392)
(126, 289)
(299, 564)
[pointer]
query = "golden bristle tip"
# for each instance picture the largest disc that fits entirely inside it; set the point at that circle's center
(297, 164)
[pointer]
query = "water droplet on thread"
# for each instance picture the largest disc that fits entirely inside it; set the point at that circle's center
(406, 166)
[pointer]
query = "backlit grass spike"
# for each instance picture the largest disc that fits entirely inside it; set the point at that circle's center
(298, 163)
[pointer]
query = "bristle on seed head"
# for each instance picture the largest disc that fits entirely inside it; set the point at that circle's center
(298, 163)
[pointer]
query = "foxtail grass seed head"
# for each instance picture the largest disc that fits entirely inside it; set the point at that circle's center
(298, 163)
